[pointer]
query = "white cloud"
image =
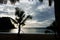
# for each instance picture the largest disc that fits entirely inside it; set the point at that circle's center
(41, 12)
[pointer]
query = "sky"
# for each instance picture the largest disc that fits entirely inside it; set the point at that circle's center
(42, 14)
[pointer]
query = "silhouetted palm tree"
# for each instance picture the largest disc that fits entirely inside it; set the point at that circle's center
(22, 18)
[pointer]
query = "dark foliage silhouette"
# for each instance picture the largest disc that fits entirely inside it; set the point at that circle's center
(13, 1)
(21, 20)
(52, 27)
(3, 1)
(17, 0)
(5, 23)
(41, 0)
(20, 13)
(50, 2)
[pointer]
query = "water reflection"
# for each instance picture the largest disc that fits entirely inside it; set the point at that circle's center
(32, 31)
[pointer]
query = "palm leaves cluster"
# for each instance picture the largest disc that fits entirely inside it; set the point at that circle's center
(50, 2)
(14, 1)
(20, 13)
(3, 1)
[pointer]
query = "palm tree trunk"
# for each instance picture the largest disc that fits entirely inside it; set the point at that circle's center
(19, 29)
(19, 37)
(57, 17)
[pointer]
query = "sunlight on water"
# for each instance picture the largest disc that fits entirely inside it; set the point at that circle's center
(32, 31)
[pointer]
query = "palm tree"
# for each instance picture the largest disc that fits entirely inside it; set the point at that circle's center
(22, 18)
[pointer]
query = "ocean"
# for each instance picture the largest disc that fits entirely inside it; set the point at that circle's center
(30, 31)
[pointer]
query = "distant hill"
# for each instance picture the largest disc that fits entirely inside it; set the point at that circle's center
(5, 24)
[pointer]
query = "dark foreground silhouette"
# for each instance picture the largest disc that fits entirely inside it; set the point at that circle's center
(52, 27)
(11, 1)
(3, 1)
(6, 24)
(41, 0)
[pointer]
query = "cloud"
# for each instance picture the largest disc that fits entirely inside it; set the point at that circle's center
(35, 23)
(42, 14)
